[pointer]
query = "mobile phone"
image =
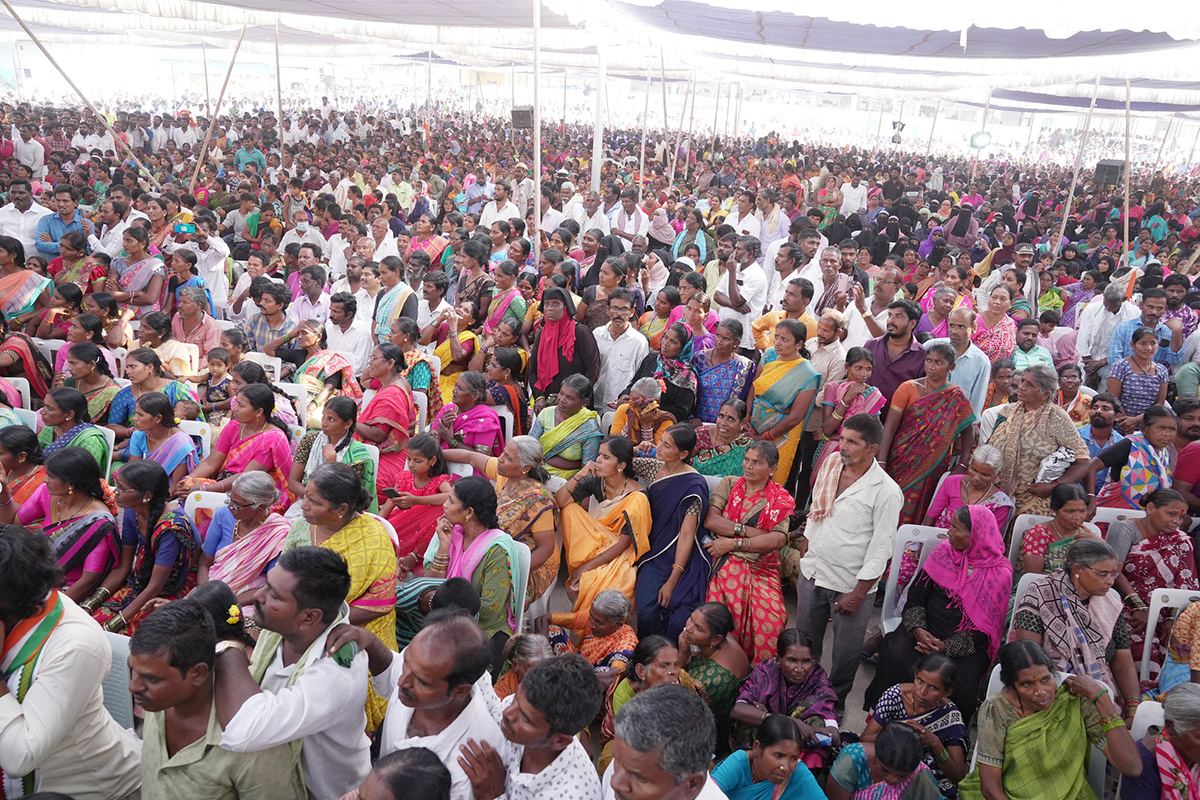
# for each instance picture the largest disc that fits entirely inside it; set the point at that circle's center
(390, 492)
(185, 227)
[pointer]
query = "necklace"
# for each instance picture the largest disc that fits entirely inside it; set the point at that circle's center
(967, 493)
(59, 506)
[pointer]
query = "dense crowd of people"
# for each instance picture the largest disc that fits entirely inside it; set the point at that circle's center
(422, 386)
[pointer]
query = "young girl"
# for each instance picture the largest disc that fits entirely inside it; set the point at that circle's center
(213, 386)
(65, 303)
(415, 505)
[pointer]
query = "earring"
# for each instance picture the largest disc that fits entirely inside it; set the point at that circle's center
(70, 490)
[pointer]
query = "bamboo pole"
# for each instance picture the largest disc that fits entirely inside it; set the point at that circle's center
(687, 159)
(690, 96)
(1162, 147)
(212, 122)
(1192, 154)
(537, 131)
(1087, 128)
(662, 65)
(207, 95)
(933, 126)
(716, 114)
(117, 139)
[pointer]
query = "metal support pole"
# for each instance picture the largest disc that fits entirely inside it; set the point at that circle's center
(933, 126)
(674, 154)
(1029, 140)
(598, 123)
(1193, 152)
(20, 70)
(687, 159)
(564, 122)
(728, 109)
(737, 114)
(1087, 127)
(278, 84)
(975, 158)
(716, 113)
(662, 65)
(207, 95)
(428, 80)
(1162, 147)
(537, 132)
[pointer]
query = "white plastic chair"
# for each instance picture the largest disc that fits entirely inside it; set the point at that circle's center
(120, 354)
(296, 433)
(110, 438)
(390, 528)
(267, 363)
(226, 324)
(1149, 715)
(555, 483)
(22, 386)
(1107, 516)
(422, 404)
(461, 470)
(209, 500)
(712, 481)
(115, 685)
(905, 535)
(300, 395)
(373, 451)
(606, 421)
(27, 417)
(198, 429)
(1022, 586)
(193, 357)
(1160, 599)
(507, 421)
(520, 580)
(122, 382)
(1020, 527)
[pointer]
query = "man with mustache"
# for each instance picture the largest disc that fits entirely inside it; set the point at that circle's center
(296, 689)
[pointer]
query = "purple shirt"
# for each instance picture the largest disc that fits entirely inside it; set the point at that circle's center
(888, 374)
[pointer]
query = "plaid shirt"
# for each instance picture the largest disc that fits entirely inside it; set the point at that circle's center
(58, 144)
(261, 333)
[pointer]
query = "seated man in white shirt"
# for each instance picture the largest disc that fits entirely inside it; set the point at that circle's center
(540, 756)
(348, 332)
(664, 744)
(353, 284)
(430, 687)
(434, 286)
(295, 689)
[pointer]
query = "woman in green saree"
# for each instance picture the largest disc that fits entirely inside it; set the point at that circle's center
(569, 431)
(68, 423)
(334, 442)
(721, 446)
(782, 395)
(1034, 736)
(926, 417)
(715, 661)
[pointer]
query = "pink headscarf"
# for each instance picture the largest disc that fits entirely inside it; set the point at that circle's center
(979, 580)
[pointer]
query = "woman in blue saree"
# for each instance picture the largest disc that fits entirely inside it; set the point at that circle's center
(722, 373)
(771, 770)
(672, 576)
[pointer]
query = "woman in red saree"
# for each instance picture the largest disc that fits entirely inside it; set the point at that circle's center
(748, 517)
(20, 358)
(928, 415)
(1155, 554)
(387, 420)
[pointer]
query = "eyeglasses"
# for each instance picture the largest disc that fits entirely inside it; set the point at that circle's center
(1106, 575)
(237, 506)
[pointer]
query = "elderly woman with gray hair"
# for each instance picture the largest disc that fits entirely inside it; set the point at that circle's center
(522, 652)
(1028, 433)
(467, 422)
(524, 506)
(1173, 751)
(1075, 616)
(245, 537)
(936, 320)
(977, 487)
(642, 420)
(610, 640)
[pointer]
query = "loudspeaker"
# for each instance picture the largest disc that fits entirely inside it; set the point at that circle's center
(1109, 173)
(522, 117)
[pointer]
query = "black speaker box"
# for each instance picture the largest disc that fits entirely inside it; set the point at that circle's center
(1109, 173)
(522, 117)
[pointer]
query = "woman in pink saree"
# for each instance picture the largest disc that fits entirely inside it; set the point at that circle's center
(467, 423)
(137, 279)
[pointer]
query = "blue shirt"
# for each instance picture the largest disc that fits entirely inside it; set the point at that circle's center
(971, 373)
(252, 156)
(1036, 355)
(1121, 344)
(53, 225)
(1094, 449)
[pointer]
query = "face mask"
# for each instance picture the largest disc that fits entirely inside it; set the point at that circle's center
(301, 227)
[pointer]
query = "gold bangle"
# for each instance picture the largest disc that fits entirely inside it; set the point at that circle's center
(677, 567)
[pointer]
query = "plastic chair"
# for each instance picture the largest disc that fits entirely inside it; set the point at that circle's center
(22, 386)
(110, 438)
(374, 453)
(461, 470)
(1022, 586)
(122, 382)
(296, 433)
(712, 481)
(520, 580)
(120, 354)
(1160, 599)
(27, 417)
(199, 429)
(193, 356)
(905, 535)
(390, 528)
(267, 363)
(115, 685)
(300, 395)
(226, 324)
(1149, 715)
(507, 421)
(606, 421)
(555, 483)
(209, 500)
(1107, 516)
(1020, 527)
(422, 404)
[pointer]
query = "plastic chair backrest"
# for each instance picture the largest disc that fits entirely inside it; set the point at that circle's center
(1020, 527)
(507, 421)
(198, 429)
(374, 453)
(267, 363)
(555, 483)
(193, 356)
(120, 354)
(606, 421)
(520, 580)
(712, 481)
(1149, 715)
(300, 395)
(123, 382)
(110, 439)
(115, 685)
(226, 324)
(28, 417)
(195, 500)
(905, 534)
(22, 387)
(1160, 599)
(1107, 516)
(1022, 585)
(461, 470)
(390, 528)
(422, 404)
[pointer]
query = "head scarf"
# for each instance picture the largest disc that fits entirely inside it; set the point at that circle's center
(678, 370)
(978, 580)
(962, 222)
(557, 337)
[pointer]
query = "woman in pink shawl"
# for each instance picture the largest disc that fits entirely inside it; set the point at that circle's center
(245, 537)
(957, 605)
(468, 424)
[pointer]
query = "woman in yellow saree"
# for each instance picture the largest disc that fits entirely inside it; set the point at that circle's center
(334, 502)
(782, 395)
(453, 352)
(568, 430)
(603, 543)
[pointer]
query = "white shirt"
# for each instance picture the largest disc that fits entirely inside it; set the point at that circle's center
(523, 193)
(426, 315)
(853, 199)
(745, 226)
(570, 776)
(182, 136)
(829, 360)
(62, 728)
(599, 220)
(23, 226)
(492, 212)
(855, 541)
(210, 264)
(636, 224)
(619, 360)
(310, 236)
(355, 344)
(552, 220)
(32, 155)
(366, 303)
(474, 722)
(326, 707)
(1096, 326)
(388, 248)
(752, 284)
(335, 253)
(710, 790)
(110, 241)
